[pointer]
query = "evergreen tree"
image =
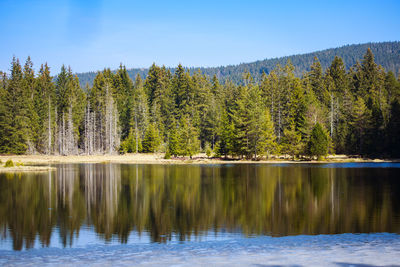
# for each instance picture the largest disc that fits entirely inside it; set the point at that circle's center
(360, 124)
(268, 141)
(174, 145)
(291, 143)
(139, 117)
(3, 112)
(29, 83)
(317, 83)
(131, 144)
(151, 139)
(393, 130)
(319, 142)
(44, 103)
(182, 90)
(123, 94)
(241, 121)
(14, 118)
(188, 138)
(224, 146)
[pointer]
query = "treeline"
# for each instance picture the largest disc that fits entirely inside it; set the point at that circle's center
(336, 111)
(386, 54)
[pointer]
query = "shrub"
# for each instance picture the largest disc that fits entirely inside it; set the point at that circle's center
(167, 155)
(208, 150)
(9, 163)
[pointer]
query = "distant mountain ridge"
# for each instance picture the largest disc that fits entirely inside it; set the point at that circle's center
(386, 54)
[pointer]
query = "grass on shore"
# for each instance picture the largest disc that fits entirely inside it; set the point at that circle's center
(154, 158)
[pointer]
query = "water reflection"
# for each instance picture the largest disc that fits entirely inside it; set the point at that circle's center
(185, 201)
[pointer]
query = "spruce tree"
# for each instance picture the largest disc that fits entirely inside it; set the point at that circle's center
(291, 143)
(393, 130)
(151, 139)
(44, 103)
(224, 146)
(15, 119)
(123, 94)
(317, 83)
(174, 145)
(29, 84)
(319, 142)
(188, 138)
(361, 121)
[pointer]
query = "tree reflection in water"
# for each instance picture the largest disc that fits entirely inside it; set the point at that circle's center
(190, 200)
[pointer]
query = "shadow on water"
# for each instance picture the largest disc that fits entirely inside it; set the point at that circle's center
(182, 202)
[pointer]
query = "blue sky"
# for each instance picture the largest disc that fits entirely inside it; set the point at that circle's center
(93, 34)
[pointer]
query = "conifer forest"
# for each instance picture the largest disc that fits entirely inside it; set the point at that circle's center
(353, 111)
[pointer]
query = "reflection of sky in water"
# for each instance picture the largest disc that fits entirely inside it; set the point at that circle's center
(320, 250)
(87, 237)
(341, 165)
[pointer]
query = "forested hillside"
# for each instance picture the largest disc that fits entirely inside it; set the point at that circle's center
(353, 111)
(387, 54)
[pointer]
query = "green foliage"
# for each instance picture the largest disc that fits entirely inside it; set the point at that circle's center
(9, 163)
(14, 117)
(188, 138)
(361, 123)
(265, 112)
(167, 154)
(393, 130)
(130, 145)
(151, 139)
(319, 142)
(208, 150)
(174, 146)
(226, 136)
(291, 143)
(387, 55)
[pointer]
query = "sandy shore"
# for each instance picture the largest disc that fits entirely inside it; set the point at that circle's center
(158, 158)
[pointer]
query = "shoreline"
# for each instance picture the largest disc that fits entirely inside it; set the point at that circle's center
(158, 158)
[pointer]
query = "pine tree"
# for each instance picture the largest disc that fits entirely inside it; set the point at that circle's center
(360, 123)
(182, 90)
(174, 145)
(44, 102)
(317, 83)
(131, 144)
(340, 103)
(4, 124)
(160, 97)
(291, 143)
(123, 94)
(319, 142)
(224, 146)
(268, 141)
(151, 139)
(139, 113)
(393, 130)
(29, 84)
(188, 138)
(14, 118)
(241, 119)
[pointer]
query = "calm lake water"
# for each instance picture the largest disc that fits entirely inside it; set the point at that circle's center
(123, 214)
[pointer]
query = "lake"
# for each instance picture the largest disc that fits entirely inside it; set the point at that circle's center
(235, 214)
